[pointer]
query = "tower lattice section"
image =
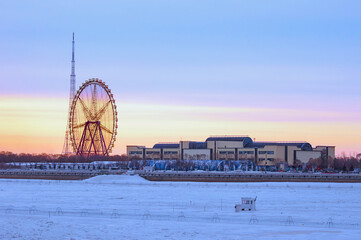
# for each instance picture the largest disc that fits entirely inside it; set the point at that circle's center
(67, 148)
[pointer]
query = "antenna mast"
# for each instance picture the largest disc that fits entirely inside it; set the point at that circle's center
(67, 148)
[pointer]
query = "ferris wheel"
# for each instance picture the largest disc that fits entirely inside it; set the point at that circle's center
(93, 119)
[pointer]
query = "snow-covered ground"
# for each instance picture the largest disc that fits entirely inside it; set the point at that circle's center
(129, 207)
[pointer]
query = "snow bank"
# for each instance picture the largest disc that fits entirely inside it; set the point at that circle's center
(111, 179)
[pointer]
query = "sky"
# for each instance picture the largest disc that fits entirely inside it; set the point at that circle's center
(184, 70)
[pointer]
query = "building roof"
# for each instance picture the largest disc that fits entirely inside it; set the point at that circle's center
(247, 141)
(166, 145)
(303, 145)
(227, 138)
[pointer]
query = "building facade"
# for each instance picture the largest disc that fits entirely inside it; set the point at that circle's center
(234, 148)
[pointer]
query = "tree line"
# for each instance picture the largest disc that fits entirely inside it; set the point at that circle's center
(341, 163)
(9, 157)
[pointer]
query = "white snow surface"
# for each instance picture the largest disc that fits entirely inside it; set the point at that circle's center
(130, 207)
(121, 179)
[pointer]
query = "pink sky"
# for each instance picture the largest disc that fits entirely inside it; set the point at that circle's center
(37, 124)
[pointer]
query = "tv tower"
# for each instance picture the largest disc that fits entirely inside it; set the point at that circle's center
(67, 148)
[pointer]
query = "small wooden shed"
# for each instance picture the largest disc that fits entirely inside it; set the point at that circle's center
(248, 204)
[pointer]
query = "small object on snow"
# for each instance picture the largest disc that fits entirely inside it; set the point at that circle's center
(84, 213)
(146, 215)
(215, 218)
(9, 209)
(248, 204)
(114, 214)
(289, 221)
(253, 220)
(58, 211)
(181, 217)
(33, 210)
(329, 222)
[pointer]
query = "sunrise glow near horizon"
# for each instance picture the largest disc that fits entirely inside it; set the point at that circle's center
(185, 70)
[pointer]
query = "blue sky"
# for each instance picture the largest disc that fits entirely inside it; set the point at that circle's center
(259, 46)
(295, 55)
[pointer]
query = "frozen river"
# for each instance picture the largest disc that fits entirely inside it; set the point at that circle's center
(129, 207)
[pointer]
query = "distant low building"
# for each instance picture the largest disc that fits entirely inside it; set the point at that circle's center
(234, 148)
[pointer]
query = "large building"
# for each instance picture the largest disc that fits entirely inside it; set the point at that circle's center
(234, 148)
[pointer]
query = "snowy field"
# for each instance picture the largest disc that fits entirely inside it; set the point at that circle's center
(129, 207)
